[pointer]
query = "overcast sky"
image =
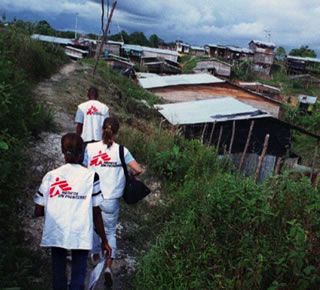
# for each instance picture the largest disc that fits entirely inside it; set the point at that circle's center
(291, 22)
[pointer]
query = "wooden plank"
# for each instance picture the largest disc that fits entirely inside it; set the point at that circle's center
(232, 136)
(219, 140)
(203, 132)
(246, 146)
(261, 158)
(211, 134)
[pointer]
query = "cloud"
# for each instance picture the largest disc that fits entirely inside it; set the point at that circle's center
(291, 22)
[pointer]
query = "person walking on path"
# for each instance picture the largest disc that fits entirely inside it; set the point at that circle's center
(90, 116)
(69, 199)
(104, 158)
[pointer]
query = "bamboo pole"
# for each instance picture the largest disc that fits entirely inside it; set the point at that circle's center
(203, 132)
(246, 146)
(232, 136)
(104, 37)
(211, 134)
(219, 140)
(261, 157)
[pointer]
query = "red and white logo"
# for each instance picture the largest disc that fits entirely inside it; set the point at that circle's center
(58, 187)
(99, 159)
(93, 110)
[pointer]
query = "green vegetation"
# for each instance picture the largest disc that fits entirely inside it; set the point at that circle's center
(22, 63)
(243, 71)
(217, 230)
(189, 62)
(303, 51)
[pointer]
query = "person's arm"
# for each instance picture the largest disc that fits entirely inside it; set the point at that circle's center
(135, 167)
(79, 128)
(38, 210)
(98, 223)
(79, 119)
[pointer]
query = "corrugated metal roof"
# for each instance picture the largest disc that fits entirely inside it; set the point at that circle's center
(240, 49)
(307, 99)
(52, 39)
(150, 81)
(264, 43)
(208, 111)
(146, 48)
(308, 59)
(197, 48)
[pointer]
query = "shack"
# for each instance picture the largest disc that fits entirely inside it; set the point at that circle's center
(136, 52)
(75, 53)
(113, 47)
(215, 67)
(263, 57)
(239, 131)
(225, 123)
(202, 86)
(197, 51)
(306, 103)
(159, 65)
(231, 54)
(182, 48)
(302, 65)
(270, 91)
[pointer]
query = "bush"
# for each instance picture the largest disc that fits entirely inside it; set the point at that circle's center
(230, 233)
(22, 63)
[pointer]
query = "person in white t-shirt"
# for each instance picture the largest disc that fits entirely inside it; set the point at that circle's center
(90, 116)
(103, 158)
(69, 199)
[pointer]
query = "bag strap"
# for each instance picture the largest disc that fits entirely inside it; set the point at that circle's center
(123, 163)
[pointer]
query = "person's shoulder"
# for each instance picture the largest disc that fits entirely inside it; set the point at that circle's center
(94, 145)
(84, 104)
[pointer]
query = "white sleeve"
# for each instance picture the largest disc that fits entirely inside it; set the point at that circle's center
(127, 156)
(79, 116)
(97, 197)
(39, 197)
(85, 161)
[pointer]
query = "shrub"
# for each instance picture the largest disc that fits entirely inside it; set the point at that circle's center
(230, 233)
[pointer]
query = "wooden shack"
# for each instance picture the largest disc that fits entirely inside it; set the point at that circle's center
(159, 65)
(182, 48)
(113, 47)
(269, 91)
(230, 54)
(197, 51)
(302, 65)
(263, 57)
(215, 67)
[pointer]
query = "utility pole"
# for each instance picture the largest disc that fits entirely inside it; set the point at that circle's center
(76, 27)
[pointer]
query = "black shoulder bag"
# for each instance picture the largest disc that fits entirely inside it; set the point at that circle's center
(134, 190)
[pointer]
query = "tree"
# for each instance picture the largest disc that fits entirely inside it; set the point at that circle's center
(280, 53)
(155, 40)
(121, 36)
(303, 51)
(138, 38)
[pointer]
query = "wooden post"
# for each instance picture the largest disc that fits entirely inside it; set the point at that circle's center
(211, 134)
(278, 165)
(261, 157)
(219, 140)
(232, 136)
(203, 132)
(104, 36)
(246, 146)
(315, 155)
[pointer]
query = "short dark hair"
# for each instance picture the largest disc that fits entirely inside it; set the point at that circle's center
(93, 93)
(72, 148)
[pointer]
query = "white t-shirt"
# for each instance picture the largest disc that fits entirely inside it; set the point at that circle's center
(68, 194)
(106, 162)
(91, 114)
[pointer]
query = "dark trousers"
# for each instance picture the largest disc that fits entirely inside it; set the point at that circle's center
(78, 266)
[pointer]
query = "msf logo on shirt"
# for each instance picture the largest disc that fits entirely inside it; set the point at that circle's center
(92, 111)
(100, 159)
(58, 187)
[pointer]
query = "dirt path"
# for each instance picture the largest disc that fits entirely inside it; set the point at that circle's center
(60, 93)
